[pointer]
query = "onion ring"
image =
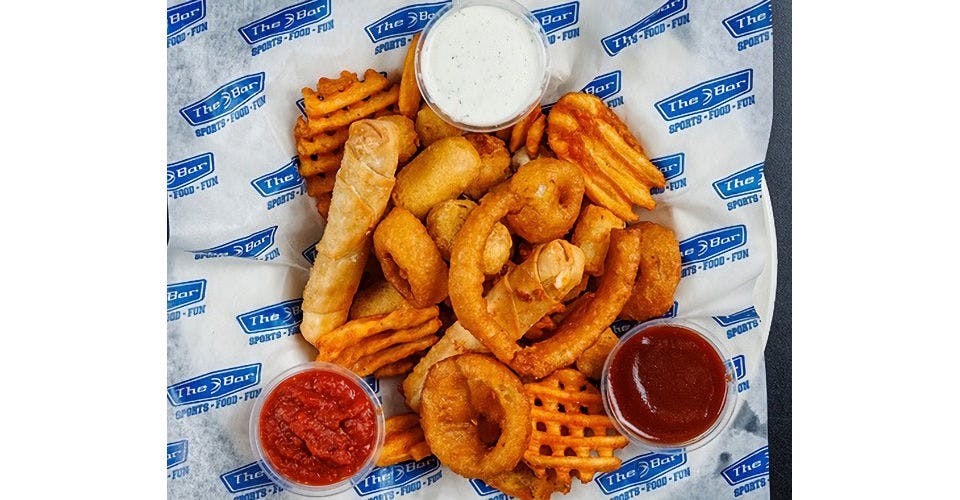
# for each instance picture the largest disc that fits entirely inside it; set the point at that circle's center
(410, 259)
(659, 273)
(461, 392)
(552, 190)
(575, 334)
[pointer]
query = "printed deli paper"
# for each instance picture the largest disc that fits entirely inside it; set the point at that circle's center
(691, 79)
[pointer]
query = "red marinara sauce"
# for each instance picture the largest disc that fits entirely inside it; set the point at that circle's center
(317, 428)
(669, 383)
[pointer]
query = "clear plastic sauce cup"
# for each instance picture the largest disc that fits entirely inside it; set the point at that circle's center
(328, 418)
(667, 386)
(481, 65)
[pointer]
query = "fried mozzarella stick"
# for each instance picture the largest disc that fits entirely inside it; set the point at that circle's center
(360, 196)
(517, 301)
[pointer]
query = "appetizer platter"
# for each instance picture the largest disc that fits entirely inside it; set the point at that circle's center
(469, 274)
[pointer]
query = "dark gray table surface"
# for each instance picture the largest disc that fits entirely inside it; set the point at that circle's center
(776, 171)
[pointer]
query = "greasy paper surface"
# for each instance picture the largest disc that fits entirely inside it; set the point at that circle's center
(691, 79)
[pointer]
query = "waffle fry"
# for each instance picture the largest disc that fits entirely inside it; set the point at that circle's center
(369, 344)
(332, 95)
(319, 144)
(403, 440)
(583, 130)
(572, 436)
(402, 367)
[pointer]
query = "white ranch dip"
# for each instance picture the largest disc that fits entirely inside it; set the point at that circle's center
(482, 66)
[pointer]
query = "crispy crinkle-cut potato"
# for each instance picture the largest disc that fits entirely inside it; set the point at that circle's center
(572, 435)
(403, 440)
(368, 344)
(583, 130)
(659, 273)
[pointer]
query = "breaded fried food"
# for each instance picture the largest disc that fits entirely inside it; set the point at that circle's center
(409, 140)
(442, 171)
(431, 128)
(444, 222)
(461, 396)
(379, 297)
(494, 164)
(592, 235)
(583, 130)
(410, 259)
(659, 273)
(591, 362)
(551, 191)
(409, 97)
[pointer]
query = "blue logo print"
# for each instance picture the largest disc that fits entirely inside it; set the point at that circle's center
(249, 246)
(622, 326)
(483, 489)
(283, 179)
(746, 181)
(310, 253)
(394, 476)
(712, 243)
(176, 453)
(750, 20)
(213, 385)
(705, 96)
(672, 313)
(604, 86)
(286, 20)
(402, 22)
(737, 317)
(639, 470)
(223, 100)
(185, 293)
(749, 467)
(185, 14)
(244, 478)
(186, 171)
(739, 322)
(671, 166)
(558, 17)
(287, 314)
(620, 40)
(739, 366)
